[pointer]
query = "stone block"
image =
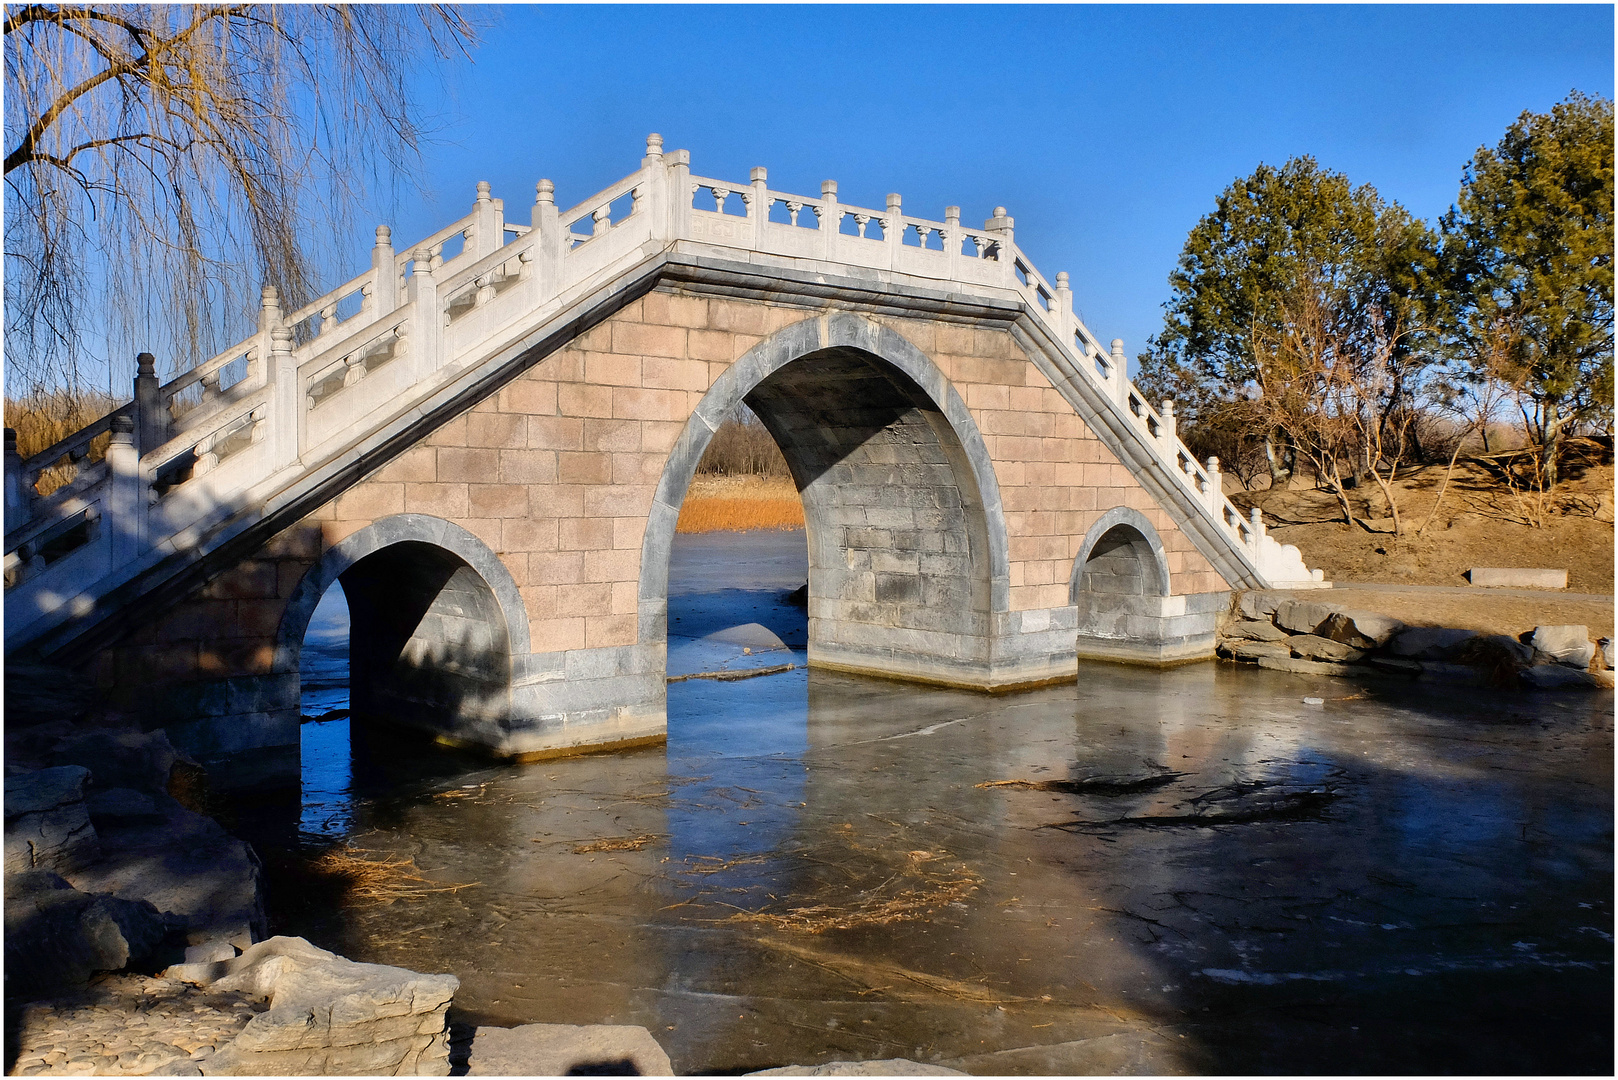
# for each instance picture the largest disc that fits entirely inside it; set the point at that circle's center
(56, 936)
(1569, 645)
(566, 1049)
(1361, 629)
(1312, 647)
(1604, 655)
(1255, 650)
(1302, 616)
(1430, 642)
(1307, 667)
(1500, 577)
(1257, 604)
(1558, 677)
(329, 1015)
(47, 822)
(498, 430)
(1396, 665)
(1255, 630)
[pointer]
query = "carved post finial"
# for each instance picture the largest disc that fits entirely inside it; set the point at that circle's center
(893, 202)
(145, 364)
(1062, 280)
(544, 192)
(483, 191)
(123, 429)
(384, 236)
(828, 189)
(759, 175)
(422, 262)
(654, 146)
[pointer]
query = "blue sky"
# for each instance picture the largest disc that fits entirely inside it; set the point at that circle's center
(1106, 131)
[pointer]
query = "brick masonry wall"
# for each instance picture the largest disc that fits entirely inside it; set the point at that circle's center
(556, 474)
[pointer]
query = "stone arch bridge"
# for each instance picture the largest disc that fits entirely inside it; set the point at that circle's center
(486, 437)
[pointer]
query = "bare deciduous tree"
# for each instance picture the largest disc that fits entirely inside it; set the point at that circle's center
(163, 161)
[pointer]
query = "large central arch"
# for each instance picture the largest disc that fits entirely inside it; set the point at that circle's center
(908, 565)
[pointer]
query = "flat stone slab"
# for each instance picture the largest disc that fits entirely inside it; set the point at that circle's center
(563, 1049)
(1516, 577)
(1570, 645)
(1307, 667)
(889, 1067)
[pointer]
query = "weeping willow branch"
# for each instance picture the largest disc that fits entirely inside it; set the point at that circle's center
(164, 161)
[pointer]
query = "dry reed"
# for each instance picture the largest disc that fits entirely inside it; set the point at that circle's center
(737, 503)
(381, 881)
(43, 420)
(618, 843)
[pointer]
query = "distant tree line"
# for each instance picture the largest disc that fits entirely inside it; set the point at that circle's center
(743, 447)
(1316, 327)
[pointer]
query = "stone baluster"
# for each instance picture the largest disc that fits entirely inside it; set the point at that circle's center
(19, 492)
(126, 501)
(151, 419)
(680, 193)
(427, 321)
(1120, 372)
(549, 247)
(1062, 308)
(951, 238)
(287, 405)
(1168, 430)
(601, 220)
(1000, 228)
(1215, 485)
(758, 205)
(486, 224)
(384, 294)
(651, 195)
(831, 218)
(893, 230)
(1256, 519)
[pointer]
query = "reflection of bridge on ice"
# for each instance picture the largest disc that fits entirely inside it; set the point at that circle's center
(487, 438)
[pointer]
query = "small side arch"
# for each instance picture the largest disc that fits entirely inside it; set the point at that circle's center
(385, 532)
(1122, 555)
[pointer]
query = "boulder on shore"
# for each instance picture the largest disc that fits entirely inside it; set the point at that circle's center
(567, 1050)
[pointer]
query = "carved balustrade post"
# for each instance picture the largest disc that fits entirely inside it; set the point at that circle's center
(758, 205)
(655, 188)
(680, 193)
(547, 250)
(486, 224)
(384, 294)
(1062, 309)
(1256, 519)
(1000, 228)
(126, 501)
(1169, 433)
(1120, 372)
(893, 229)
(1216, 488)
(151, 420)
(426, 320)
(951, 238)
(287, 405)
(831, 218)
(19, 492)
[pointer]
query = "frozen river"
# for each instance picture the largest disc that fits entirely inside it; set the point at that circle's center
(1188, 870)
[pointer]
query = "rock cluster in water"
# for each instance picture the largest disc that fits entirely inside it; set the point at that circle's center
(1276, 630)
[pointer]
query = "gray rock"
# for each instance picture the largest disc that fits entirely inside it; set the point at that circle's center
(1302, 616)
(888, 1067)
(1258, 604)
(1568, 645)
(1361, 629)
(142, 760)
(1255, 630)
(121, 803)
(332, 1016)
(567, 1049)
(1444, 671)
(1496, 652)
(1306, 667)
(1396, 665)
(211, 952)
(182, 863)
(1254, 650)
(1312, 647)
(1604, 654)
(47, 822)
(1430, 642)
(57, 936)
(1558, 677)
